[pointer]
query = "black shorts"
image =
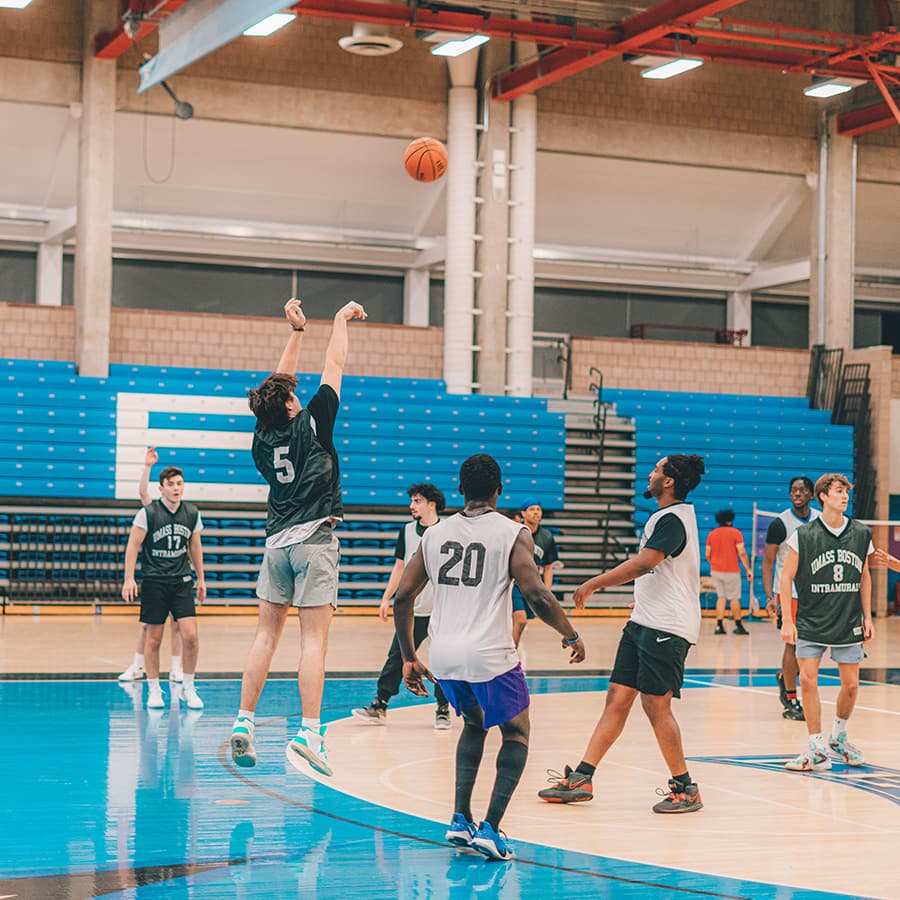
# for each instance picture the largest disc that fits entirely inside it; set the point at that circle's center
(650, 661)
(159, 598)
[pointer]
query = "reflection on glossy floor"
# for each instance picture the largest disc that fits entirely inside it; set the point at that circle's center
(110, 799)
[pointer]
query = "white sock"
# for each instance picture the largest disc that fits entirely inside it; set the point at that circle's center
(138, 661)
(247, 714)
(188, 681)
(314, 724)
(154, 685)
(176, 664)
(818, 739)
(839, 726)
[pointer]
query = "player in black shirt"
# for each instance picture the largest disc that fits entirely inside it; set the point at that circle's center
(293, 450)
(545, 554)
(166, 532)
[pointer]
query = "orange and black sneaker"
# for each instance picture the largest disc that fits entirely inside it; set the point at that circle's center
(679, 798)
(570, 787)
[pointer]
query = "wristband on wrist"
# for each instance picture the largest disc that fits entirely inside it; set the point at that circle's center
(301, 328)
(572, 640)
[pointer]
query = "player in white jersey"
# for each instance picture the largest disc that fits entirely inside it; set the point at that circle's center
(664, 624)
(776, 549)
(426, 502)
(470, 560)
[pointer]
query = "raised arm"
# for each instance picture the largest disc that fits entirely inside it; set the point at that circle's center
(151, 458)
(290, 356)
(336, 352)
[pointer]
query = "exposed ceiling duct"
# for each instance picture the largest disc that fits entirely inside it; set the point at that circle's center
(369, 40)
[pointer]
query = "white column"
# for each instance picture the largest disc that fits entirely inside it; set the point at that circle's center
(50, 274)
(459, 271)
(520, 329)
(416, 286)
(93, 231)
(739, 314)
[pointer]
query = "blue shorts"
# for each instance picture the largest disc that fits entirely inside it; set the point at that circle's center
(843, 653)
(501, 699)
(520, 603)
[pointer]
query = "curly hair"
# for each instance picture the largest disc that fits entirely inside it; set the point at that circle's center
(268, 401)
(725, 516)
(686, 470)
(431, 494)
(480, 477)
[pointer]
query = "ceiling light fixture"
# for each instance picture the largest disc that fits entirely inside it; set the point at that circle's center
(672, 68)
(14, 4)
(822, 87)
(460, 45)
(268, 25)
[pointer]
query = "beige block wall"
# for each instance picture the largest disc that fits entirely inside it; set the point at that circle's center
(895, 376)
(37, 332)
(676, 366)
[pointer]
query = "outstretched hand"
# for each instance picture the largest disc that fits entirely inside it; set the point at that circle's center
(582, 595)
(294, 313)
(413, 673)
(351, 310)
(151, 457)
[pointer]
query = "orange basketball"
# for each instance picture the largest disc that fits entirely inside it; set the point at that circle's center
(425, 159)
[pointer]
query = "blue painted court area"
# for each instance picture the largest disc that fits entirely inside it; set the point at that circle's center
(102, 798)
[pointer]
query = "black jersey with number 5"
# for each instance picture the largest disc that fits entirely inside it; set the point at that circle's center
(301, 465)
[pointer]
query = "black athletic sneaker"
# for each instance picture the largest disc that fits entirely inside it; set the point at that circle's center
(373, 714)
(678, 799)
(782, 690)
(720, 629)
(570, 787)
(739, 628)
(794, 711)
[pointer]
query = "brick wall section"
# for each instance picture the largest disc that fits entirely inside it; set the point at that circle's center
(151, 337)
(37, 332)
(676, 366)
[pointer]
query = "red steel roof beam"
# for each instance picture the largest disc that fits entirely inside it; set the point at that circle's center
(112, 44)
(866, 120)
(637, 30)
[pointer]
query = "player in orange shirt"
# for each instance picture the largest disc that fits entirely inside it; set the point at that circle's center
(724, 551)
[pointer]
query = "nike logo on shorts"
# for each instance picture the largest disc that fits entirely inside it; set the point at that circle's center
(660, 640)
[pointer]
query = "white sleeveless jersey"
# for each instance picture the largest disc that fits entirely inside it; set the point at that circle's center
(668, 597)
(411, 541)
(467, 561)
(791, 524)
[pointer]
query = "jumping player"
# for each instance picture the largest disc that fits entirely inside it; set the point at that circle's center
(470, 559)
(293, 449)
(828, 562)
(664, 624)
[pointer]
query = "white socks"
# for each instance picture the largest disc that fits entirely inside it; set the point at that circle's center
(247, 714)
(188, 681)
(138, 661)
(313, 724)
(839, 726)
(176, 664)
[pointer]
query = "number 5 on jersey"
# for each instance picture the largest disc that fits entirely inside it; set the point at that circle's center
(284, 468)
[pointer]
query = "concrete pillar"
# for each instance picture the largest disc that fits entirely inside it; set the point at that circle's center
(416, 286)
(50, 274)
(492, 247)
(739, 314)
(833, 241)
(93, 231)
(459, 271)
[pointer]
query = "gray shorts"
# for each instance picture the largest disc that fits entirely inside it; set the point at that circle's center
(728, 584)
(304, 574)
(843, 653)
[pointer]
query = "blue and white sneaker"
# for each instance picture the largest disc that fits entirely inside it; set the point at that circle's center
(309, 744)
(461, 831)
(491, 843)
(242, 750)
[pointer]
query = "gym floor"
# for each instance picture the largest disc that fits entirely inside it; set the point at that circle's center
(104, 798)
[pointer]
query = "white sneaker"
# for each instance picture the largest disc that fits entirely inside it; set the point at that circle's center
(309, 745)
(133, 673)
(192, 698)
(155, 700)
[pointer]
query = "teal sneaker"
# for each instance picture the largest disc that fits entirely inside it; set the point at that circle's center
(841, 747)
(309, 744)
(242, 751)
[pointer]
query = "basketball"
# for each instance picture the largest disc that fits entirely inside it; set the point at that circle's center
(425, 159)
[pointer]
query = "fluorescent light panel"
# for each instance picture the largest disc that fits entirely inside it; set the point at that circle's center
(672, 68)
(270, 24)
(463, 45)
(14, 4)
(827, 89)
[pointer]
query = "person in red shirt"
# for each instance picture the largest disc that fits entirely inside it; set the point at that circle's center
(724, 552)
